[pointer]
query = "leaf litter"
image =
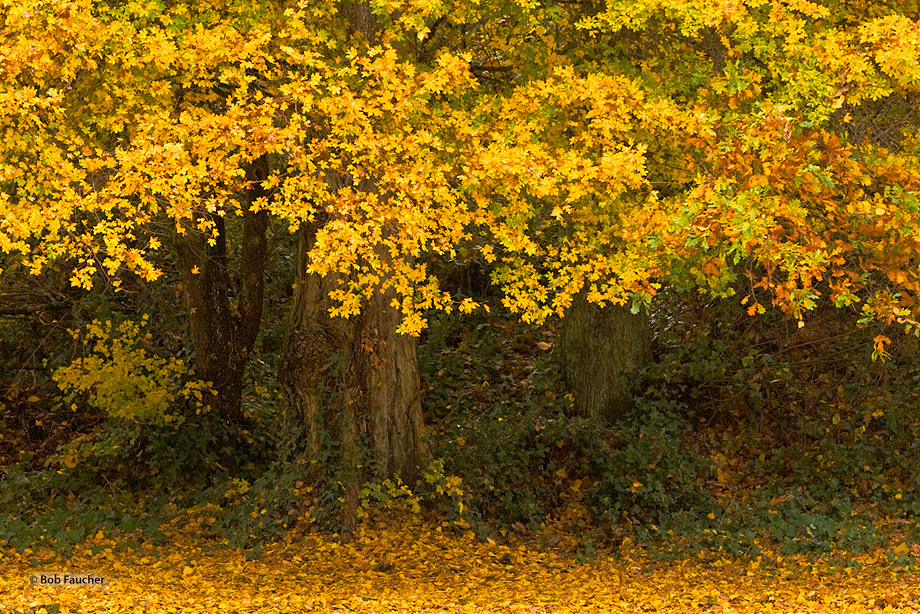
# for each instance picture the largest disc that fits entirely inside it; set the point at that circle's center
(428, 568)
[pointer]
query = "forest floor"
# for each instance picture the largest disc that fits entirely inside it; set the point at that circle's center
(425, 568)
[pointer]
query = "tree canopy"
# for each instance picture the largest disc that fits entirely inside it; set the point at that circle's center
(610, 148)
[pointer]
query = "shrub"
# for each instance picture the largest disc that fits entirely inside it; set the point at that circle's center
(121, 378)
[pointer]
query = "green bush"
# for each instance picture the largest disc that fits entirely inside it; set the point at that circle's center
(521, 466)
(47, 507)
(652, 473)
(816, 442)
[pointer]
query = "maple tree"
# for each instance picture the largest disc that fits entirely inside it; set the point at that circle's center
(581, 150)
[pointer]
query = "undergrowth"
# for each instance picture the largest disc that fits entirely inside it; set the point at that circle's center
(747, 436)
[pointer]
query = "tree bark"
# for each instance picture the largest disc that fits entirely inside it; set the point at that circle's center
(602, 351)
(223, 331)
(354, 381)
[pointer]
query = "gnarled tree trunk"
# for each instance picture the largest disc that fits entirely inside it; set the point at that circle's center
(602, 351)
(351, 382)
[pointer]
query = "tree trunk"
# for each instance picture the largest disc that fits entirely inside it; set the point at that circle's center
(355, 382)
(223, 331)
(602, 351)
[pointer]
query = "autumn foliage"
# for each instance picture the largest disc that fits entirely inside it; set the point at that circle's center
(675, 142)
(215, 217)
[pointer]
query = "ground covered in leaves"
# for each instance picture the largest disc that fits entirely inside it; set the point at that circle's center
(428, 568)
